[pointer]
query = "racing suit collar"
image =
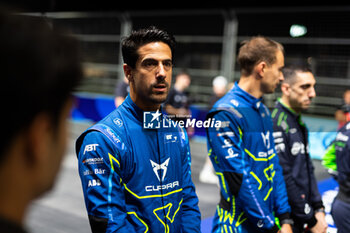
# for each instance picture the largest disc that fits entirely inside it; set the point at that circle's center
(287, 107)
(251, 100)
(291, 112)
(133, 108)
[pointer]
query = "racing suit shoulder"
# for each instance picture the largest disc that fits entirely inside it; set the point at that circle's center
(104, 164)
(101, 140)
(104, 133)
(100, 170)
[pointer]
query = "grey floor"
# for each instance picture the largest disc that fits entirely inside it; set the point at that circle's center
(62, 210)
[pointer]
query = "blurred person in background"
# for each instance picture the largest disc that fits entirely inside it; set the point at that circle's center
(342, 114)
(291, 140)
(136, 179)
(242, 150)
(40, 67)
(177, 106)
(121, 91)
(207, 174)
(178, 101)
(219, 89)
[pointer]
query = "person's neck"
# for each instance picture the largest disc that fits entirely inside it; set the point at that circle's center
(251, 85)
(143, 105)
(286, 102)
(14, 199)
(12, 211)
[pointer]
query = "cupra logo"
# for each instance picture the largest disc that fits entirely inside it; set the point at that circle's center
(157, 167)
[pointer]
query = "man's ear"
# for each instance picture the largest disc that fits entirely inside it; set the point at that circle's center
(39, 136)
(260, 69)
(128, 72)
(285, 88)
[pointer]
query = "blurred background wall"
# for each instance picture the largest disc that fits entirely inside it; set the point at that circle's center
(208, 36)
(208, 40)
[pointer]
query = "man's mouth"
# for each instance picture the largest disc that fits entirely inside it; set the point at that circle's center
(307, 102)
(161, 87)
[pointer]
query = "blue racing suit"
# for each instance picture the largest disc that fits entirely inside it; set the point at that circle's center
(242, 151)
(136, 179)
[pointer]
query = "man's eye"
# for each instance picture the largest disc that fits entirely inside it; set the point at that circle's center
(168, 64)
(305, 87)
(150, 63)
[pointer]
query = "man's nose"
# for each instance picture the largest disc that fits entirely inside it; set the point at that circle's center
(160, 72)
(281, 77)
(312, 93)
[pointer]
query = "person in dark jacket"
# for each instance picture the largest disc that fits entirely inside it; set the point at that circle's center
(291, 140)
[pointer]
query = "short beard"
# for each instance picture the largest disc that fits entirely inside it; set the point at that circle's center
(266, 88)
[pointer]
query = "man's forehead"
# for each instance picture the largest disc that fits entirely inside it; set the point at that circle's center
(154, 50)
(304, 78)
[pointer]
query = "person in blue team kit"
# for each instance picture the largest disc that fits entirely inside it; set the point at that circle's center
(137, 179)
(242, 150)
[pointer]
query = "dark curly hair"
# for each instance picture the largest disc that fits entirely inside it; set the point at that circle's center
(143, 36)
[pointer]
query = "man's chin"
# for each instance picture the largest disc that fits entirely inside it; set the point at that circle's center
(270, 91)
(158, 98)
(305, 107)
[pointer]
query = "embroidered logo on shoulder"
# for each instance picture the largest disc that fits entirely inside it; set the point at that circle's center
(109, 131)
(234, 102)
(118, 122)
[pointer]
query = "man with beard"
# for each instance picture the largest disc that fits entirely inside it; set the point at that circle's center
(242, 152)
(291, 139)
(136, 174)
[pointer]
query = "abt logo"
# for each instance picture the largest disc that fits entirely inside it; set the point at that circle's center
(90, 147)
(151, 120)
